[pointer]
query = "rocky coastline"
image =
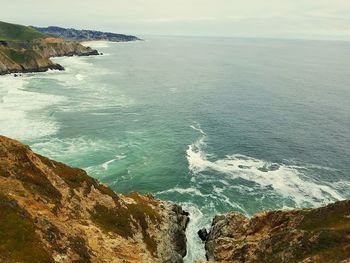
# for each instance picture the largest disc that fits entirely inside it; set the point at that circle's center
(299, 235)
(34, 56)
(50, 212)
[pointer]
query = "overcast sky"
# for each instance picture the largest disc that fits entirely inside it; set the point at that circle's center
(313, 19)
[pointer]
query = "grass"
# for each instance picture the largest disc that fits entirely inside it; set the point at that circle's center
(321, 235)
(78, 244)
(18, 33)
(17, 230)
(120, 220)
(15, 55)
(112, 220)
(335, 217)
(76, 178)
(332, 225)
(18, 239)
(35, 180)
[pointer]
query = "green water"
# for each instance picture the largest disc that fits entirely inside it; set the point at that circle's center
(213, 124)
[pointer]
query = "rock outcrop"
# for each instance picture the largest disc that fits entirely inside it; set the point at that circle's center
(301, 235)
(50, 212)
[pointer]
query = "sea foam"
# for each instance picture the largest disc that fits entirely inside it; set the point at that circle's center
(287, 181)
(198, 220)
(97, 44)
(18, 107)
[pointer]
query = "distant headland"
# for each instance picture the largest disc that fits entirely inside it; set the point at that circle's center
(28, 49)
(84, 35)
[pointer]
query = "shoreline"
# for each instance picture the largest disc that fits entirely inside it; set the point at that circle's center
(232, 219)
(36, 56)
(86, 42)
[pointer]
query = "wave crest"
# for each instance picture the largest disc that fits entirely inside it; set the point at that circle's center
(287, 181)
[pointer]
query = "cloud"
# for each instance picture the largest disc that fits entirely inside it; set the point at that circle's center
(268, 18)
(180, 19)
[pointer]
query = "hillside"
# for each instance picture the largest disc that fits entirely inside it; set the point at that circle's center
(50, 212)
(18, 33)
(24, 49)
(85, 35)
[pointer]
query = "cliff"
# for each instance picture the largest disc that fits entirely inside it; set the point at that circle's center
(301, 235)
(58, 47)
(14, 60)
(50, 212)
(84, 35)
(23, 49)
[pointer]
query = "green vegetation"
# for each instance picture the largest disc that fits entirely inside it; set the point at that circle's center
(112, 220)
(16, 46)
(332, 226)
(35, 180)
(32, 178)
(120, 220)
(79, 246)
(334, 217)
(18, 240)
(310, 235)
(15, 55)
(18, 33)
(75, 178)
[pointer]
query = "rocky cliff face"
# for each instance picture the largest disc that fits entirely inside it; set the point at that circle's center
(302, 235)
(35, 55)
(57, 47)
(50, 212)
(15, 61)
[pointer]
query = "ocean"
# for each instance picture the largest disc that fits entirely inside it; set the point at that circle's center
(214, 124)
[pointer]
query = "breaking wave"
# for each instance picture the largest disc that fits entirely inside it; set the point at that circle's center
(17, 106)
(289, 182)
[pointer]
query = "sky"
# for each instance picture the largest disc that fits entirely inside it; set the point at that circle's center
(304, 19)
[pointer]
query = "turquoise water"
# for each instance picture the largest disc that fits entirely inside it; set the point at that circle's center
(214, 124)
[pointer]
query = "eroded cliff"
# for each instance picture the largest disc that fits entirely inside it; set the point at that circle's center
(34, 56)
(58, 47)
(24, 49)
(50, 212)
(301, 235)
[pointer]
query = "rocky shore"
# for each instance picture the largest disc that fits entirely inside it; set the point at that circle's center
(28, 49)
(300, 235)
(50, 212)
(34, 56)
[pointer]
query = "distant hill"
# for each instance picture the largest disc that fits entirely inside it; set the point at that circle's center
(84, 35)
(18, 33)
